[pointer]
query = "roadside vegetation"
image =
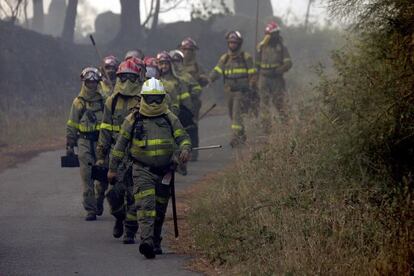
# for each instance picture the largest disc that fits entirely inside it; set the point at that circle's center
(332, 191)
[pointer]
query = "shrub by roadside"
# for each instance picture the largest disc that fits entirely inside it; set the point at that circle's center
(332, 193)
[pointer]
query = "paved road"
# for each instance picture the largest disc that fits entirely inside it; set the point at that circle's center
(41, 219)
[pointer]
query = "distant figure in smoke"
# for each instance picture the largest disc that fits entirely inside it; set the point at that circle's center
(272, 61)
(239, 75)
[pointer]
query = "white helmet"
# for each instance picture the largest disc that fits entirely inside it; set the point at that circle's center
(153, 87)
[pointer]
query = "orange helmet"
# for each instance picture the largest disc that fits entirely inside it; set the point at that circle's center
(272, 27)
(189, 43)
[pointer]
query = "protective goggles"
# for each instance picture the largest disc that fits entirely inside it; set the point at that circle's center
(91, 74)
(128, 76)
(150, 99)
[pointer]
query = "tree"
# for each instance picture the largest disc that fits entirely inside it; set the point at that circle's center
(38, 22)
(130, 27)
(70, 20)
(248, 8)
(10, 9)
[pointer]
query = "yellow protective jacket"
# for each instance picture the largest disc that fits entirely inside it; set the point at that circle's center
(178, 92)
(84, 119)
(116, 108)
(237, 70)
(105, 88)
(273, 59)
(152, 141)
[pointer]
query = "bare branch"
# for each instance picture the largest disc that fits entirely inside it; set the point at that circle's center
(175, 5)
(150, 14)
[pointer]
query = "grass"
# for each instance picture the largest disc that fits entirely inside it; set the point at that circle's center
(290, 208)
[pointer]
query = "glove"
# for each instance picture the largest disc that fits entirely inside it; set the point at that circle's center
(70, 151)
(184, 156)
(112, 176)
(100, 162)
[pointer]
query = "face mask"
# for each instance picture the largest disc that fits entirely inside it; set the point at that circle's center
(127, 88)
(154, 109)
(88, 93)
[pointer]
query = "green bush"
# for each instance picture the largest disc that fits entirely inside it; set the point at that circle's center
(332, 193)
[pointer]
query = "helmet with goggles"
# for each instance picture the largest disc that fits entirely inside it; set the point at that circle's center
(132, 69)
(234, 36)
(153, 91)
(188, 43)
(91, 74)
(176, 55)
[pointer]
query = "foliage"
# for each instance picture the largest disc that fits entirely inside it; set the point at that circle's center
(331, 193)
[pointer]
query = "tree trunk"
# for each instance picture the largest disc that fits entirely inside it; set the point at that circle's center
(38, 23)
(156, 15)
(68, 32)
(248, 8)
(130, 30)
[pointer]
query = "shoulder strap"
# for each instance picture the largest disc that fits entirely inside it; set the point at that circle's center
(114, 102)
(167, 118)
(83, 103)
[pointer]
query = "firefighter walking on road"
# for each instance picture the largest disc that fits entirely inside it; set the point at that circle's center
(126, 98)
(82, 130)
(239, 76)
(272, 61)
(107, 84)
(151, 136)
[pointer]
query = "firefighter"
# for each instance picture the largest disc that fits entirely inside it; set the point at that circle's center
(272, 61)
(82, 130)
(188, 117)
(126, 98)
(239, 75)
(109, 68)
(153, 134)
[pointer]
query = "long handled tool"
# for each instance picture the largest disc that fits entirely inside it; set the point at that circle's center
(207, 111)
(172, 190)
(98, 53)
(174, 204)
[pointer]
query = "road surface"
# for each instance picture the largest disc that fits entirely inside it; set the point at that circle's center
(42, 225)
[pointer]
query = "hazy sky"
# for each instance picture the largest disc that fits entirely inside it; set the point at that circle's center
(292, 11)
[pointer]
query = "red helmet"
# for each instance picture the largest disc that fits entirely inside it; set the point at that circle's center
(272, 27)
(234, 36)
(151, 62)
(111, 61)
(163, 57)
(189, 43)
(132, 66)
(91, 74)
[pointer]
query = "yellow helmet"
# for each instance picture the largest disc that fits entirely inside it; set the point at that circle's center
(153, 87)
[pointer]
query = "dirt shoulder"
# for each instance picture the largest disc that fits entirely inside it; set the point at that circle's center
(11, 155)
(184, 244)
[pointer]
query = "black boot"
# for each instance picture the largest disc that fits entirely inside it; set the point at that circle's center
(157, 246)
(131, 228)
(147, 250)
(118, 228)
(90, 217)
(99, 207)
